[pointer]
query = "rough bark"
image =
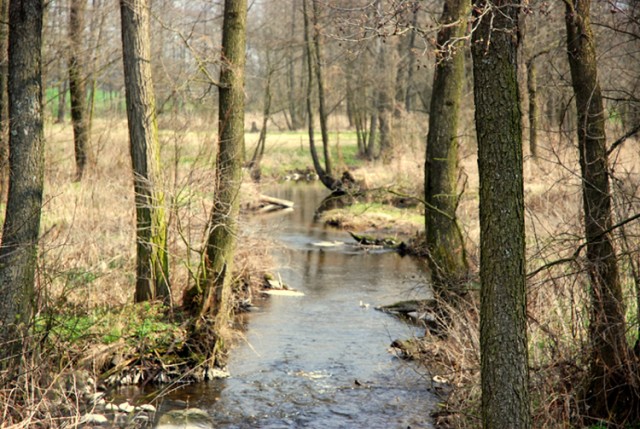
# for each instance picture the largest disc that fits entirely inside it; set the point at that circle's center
(4, 98)
(444, 240)
(503, 328)
(77, 86)
(18, 252)
(223, 225)
(152, 265)
(609, 393)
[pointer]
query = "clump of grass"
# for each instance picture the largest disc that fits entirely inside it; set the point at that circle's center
(375, 216)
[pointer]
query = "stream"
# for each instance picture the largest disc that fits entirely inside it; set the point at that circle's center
(321, 360)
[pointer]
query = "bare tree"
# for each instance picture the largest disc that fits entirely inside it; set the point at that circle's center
(611, 393)
(214, 292)
(19, 249)
(4, 97)
(152, 266)
(77, 86)
(444, 238)
(503, 321)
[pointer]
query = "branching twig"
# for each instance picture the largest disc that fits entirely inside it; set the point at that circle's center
(576, 253)
(622, 139)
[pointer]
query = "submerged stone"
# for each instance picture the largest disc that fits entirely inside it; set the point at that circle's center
(191, 418)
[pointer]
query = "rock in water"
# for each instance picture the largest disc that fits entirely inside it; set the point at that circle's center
(191, 418)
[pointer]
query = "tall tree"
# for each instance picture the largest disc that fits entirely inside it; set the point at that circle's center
(152, 266)
(19, 249)
(77, 86)
(444, 239)
(216, 284)
(410, 90)
(326, 178)
(297, 119)
(611, 376)
(258, 153)
(4, 97)
(503, 327)
(386, 67)
(322, 110)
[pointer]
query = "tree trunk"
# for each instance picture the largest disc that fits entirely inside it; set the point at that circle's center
(254, 164)
(611, 378)
(77, 87)
(385, 98)
(62, 101)
(322, 111)
(373, 136)
(223, 225)
(4, 98)
(532, 89)
(19, 249)
(325, 178)
(409, 95)
(97, 30)
(294, 110)
(152, 272)
(444, 239)
(503, 327)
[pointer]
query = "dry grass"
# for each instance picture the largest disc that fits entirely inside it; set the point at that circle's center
(88, 250)
(558, 297)
(88, 253)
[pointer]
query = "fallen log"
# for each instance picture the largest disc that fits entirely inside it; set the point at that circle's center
(276, 201)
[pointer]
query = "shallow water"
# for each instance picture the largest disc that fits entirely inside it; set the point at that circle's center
(321, 360)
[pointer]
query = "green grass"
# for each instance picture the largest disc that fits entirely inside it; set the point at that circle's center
(104, 101)
(144, 326)
(289, 150)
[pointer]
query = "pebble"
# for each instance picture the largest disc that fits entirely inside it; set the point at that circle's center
(126, 407)
(148, 408)
(96, 419)
(111, 407)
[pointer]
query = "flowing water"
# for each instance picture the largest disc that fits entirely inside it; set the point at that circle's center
(321, 360)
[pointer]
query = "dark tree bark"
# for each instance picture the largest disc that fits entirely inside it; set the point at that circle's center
(326, 179)
(223, 225)
(19, 249)
(322, 111)
(609, 394)
(532, 89)
(77, 87)
(409, 94)
(373, 136)
(503, 327)
(385, 98)
(444, 239)
(258, 153)
(152, 264)
(4, 98)
(62, 102)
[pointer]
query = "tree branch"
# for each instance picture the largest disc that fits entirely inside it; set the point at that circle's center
(576, 253)
(622, 139)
